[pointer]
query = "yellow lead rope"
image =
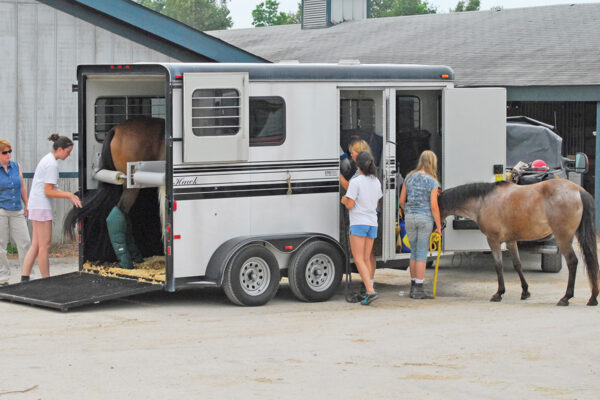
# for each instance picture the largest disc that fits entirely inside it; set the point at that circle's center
(435, 244)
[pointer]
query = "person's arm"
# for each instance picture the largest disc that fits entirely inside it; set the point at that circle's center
(349, 203)
(435, 210)
(344, 182)
(402, 199)
(351, 194)
(51, 191)
(23, 191)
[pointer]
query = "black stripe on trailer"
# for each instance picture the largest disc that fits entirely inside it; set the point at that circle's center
(276, 189)
(249, 167)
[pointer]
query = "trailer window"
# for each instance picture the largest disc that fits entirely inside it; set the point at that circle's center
(267, 121)
(358, 114)
(215, 112)
(111, 111)
(408, 113)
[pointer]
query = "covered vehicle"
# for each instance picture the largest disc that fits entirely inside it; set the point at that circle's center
(528, 140)
(534, 154)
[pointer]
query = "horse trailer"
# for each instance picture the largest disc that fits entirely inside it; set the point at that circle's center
(252, 163)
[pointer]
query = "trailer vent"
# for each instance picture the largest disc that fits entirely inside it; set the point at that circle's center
(314, 14)
(324, 13)
(111, 111)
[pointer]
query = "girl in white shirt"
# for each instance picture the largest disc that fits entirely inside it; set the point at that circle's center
(362, 197)
(43, 188)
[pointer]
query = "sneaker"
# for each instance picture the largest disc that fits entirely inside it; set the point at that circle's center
(370, 298)
(362, 291)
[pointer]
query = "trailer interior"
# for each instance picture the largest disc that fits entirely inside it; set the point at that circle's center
(418, 127)
(109, 101)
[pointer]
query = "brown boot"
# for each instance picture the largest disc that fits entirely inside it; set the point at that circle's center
(419, 293)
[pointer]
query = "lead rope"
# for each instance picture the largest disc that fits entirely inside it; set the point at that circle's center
(435, 244)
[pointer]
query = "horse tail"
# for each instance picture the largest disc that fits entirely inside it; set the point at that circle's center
(96, 204)
(586, 234)
(106, 160)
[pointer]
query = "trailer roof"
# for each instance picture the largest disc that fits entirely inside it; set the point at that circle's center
(303, 72)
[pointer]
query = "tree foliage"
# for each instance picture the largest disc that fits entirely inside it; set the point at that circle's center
(472, 5)
(267, 13)
(392, 8)
(204, 15)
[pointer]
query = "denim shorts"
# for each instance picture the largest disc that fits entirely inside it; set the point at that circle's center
(418, 229)
(364, 231)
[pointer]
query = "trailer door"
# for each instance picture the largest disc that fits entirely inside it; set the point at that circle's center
(215, 117)
(474, 144)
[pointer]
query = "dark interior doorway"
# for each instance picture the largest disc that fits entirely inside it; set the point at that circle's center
(575, 122)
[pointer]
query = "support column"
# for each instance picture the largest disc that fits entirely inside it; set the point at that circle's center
(597, 168)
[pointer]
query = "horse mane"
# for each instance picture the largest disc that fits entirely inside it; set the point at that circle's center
(453, 198)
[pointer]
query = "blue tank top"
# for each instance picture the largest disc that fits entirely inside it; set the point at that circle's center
(10, 188)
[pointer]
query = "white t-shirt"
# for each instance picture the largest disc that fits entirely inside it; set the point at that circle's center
(365, 191)
(45, 172)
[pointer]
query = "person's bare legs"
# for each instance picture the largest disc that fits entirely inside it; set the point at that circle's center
(420, 267)
(413, 269)
(44, 242)
(359, 245)
(31, 253)
(372, 262)
(40, 247)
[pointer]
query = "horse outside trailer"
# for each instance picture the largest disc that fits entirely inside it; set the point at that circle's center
(251, 166)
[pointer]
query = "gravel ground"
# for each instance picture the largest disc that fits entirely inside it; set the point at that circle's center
(194, 343)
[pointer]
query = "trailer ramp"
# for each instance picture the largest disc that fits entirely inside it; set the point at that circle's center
(75, 289)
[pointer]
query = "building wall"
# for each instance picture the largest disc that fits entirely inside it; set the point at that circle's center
(41, 48)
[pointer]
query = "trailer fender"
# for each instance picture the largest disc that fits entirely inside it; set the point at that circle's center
(283, 244)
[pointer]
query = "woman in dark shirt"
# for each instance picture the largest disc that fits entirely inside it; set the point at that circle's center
(13, 208)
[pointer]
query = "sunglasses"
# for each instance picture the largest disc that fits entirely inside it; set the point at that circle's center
(7, 151)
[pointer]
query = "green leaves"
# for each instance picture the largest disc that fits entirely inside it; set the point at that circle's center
(267, 14)
(204, 15)
(392, 8)
(473, 5)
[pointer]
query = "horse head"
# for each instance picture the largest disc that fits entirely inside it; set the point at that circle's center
(465, 200)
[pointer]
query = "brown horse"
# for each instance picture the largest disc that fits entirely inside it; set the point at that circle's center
(141, 139)
(507, 213)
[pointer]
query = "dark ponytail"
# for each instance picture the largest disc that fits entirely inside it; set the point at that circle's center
(60, 142)
(365, 162)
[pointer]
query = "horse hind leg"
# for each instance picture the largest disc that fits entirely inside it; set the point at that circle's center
(514, 253)
(497, 254)
(566, 248)
(120, 232)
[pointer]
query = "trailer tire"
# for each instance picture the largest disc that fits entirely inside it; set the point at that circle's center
(315, 271)
(252, 276)
(552, 262)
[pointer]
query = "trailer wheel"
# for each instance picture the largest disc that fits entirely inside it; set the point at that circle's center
(315, 271)
(552, 262)
(251, 277)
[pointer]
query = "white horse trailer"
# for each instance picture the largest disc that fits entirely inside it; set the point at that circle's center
(253, 153)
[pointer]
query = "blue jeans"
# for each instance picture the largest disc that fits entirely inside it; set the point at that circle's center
(418, 229)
